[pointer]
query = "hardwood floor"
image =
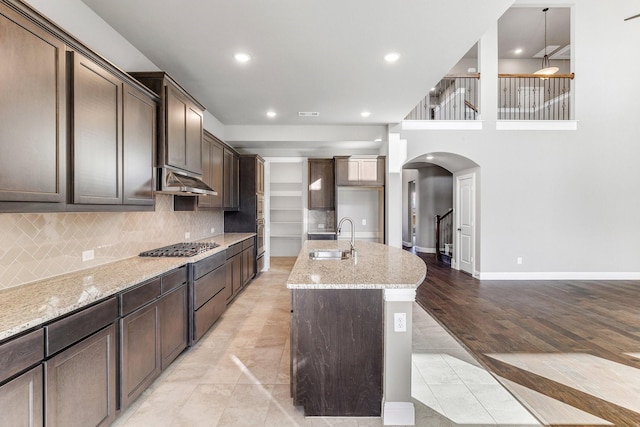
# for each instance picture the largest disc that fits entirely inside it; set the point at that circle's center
(577, 342)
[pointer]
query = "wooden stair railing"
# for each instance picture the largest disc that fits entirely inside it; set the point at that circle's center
(439, 231)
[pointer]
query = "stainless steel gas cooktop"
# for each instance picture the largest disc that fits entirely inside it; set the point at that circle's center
(180, 250)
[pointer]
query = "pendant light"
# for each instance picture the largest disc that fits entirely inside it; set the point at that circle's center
(546, 69)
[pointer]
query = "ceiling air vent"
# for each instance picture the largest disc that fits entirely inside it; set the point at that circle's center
(308, 114)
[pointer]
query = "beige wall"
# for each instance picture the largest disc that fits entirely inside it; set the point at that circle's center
(41, 245)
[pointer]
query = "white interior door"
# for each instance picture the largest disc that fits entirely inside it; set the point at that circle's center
(466, 222)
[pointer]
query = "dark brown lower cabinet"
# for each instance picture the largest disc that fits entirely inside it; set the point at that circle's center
(233, 267)
(140, 347)
(337, 351)
(248, 263)
(81, 382)
(153, 331)
(21, 400)
(173, 312)
(209, 296)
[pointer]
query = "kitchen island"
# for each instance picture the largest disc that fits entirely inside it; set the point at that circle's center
(351, 331)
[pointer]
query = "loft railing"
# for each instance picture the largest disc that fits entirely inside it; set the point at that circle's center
(455, 97)
(444, 235)
(529, 97)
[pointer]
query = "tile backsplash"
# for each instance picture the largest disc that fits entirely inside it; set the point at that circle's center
(40, 245)
(321, 220)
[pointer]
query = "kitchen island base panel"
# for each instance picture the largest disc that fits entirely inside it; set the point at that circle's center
(398, 414)
(337, 351)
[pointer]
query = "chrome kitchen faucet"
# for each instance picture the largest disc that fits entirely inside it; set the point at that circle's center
(353, 241)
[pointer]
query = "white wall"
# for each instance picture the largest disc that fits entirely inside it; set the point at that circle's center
(564, 201)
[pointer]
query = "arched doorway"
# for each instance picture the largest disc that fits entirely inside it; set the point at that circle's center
(446, 185)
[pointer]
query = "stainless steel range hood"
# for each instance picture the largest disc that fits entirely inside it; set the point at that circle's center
(182, 183)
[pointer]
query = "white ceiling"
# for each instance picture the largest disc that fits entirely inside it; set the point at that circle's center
(307, 55)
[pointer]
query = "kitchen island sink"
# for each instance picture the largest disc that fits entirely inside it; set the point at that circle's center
(327, 254)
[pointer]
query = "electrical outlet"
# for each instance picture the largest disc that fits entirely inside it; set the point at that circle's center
(213, 230)
(364, 221)
(88, 255)
(187, 235)
(519, 260)
(400, 322)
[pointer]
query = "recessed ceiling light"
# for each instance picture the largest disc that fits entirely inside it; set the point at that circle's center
(377, 140)
(392, 57)
(429, 156)
(432, 89)
(271, 114)
(518, 51)
(242, 57)
(365, 113)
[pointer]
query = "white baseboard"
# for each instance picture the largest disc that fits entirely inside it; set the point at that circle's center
(407, 244)
(425, 250)
(398, 414)
(560, 275)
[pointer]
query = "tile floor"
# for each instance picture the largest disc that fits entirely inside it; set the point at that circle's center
(238, 374)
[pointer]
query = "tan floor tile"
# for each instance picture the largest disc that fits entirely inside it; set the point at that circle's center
(205, 406)
(248, 406)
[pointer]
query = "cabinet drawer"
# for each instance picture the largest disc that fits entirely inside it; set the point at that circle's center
(64, 332)
(234, 250)
(246, 244)
(174, 279)
(139, 296)
(207, 315)
(207, 286)
(208, 264)
(21, 353)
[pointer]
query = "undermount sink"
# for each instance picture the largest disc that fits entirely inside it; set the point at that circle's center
(320, 254)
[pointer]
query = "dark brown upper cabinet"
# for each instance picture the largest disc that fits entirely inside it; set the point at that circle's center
(97, 134)
(77, 132)
(138, 142)
(212, 170)
(321, 184)
(114, 132)
(32, 106)
(260, 177)
(212, 175)
(250, 211)
(180, 123)
(231, 180)
(363, 172)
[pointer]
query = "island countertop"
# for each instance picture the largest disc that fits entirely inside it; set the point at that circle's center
(375, 266)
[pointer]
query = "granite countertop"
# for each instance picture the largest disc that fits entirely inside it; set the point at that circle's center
(27, 306)
(376, 266)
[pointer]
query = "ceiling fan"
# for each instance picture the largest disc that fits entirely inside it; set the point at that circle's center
(632, 17)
